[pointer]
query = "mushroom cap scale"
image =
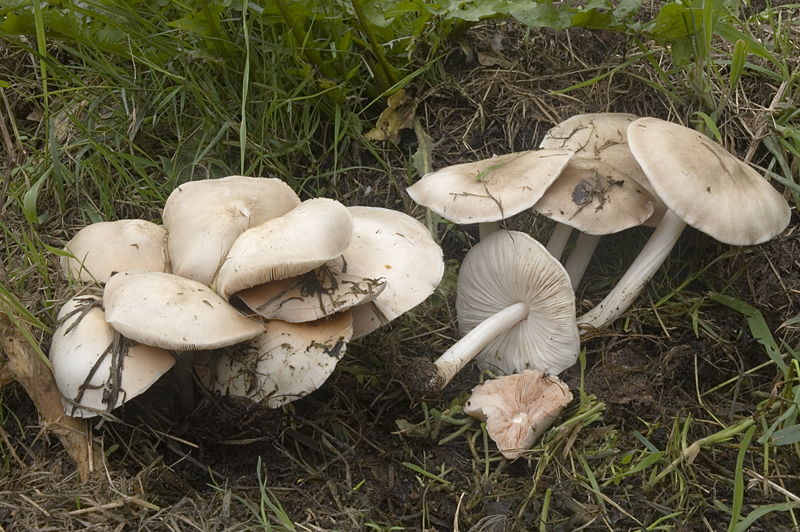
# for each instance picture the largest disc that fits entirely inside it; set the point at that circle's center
(79, 346)
(705, 185)
(173, 312)
(313, 233)
(105, 247)
(491, 189)
(510, 267)
(204, 218)
(518, 408)
(288, 361)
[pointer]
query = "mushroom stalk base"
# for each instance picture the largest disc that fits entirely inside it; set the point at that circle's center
(459, 355)
(633, 282)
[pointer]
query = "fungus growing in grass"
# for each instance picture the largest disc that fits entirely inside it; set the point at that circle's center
(596, 199)
(204, 218)
(102, 248)
(175, 313)
(284, 363)
(97, 369)
(396, 248)
(516, 311)
(490, 190)
(704, 186)
(518, 408)
(305, 238)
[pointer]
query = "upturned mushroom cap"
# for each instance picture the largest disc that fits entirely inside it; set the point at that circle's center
(312, 296)
(491, 189)
(288, 361)
(705, 185)
(105, 247)
(84, 342)
(507, 268)
(204, 218)
(395, 247)
(308, 236)
(596, 198)
(173, 312)
(518, 408)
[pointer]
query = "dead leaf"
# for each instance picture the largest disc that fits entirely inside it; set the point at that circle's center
(398, 115)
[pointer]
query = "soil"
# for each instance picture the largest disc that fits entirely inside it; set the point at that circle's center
(349, 456)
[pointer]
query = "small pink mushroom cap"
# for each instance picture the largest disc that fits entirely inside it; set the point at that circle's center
(518, 408)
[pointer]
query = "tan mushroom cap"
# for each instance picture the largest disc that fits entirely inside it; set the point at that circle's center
(507, 268)
(518, 408)
(204, 218)
(312, 296)
(308, 236)
(491, 189)
(288, 361)
(603, 137)
(105, 247)
(393, 246)
(173, 312)
(705, 185)
(79, 346)
(596, 198)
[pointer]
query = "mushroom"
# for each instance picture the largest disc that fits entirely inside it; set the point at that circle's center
(596, 199)
(518, 408)
(285, 363)
(204, 218)
(704, 186)
(311, 296)
(173, 312)
(392, 246)
(99, 249)
(516, 310)
(95, 368)
(490, 190)
(313, 233)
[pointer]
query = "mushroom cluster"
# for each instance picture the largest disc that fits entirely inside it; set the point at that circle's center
(252, 289)
(600, 174)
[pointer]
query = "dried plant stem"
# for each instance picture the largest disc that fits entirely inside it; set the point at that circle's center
(31, 372)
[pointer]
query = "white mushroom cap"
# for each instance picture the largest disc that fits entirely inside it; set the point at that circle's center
(105, 247)
(204, 218)
(596, 198)
(705, 185)
(312, 296)
(491, 189)
(288, 361)
(173, 312)
(390, 245)
(518, 408)
(603, 137)
(315, 232)
(79, 346)
(509, 268)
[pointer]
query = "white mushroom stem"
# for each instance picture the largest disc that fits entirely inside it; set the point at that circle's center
(487, 228)
(558, 240)
(580, 257)
(459, 355)
(646, 264)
